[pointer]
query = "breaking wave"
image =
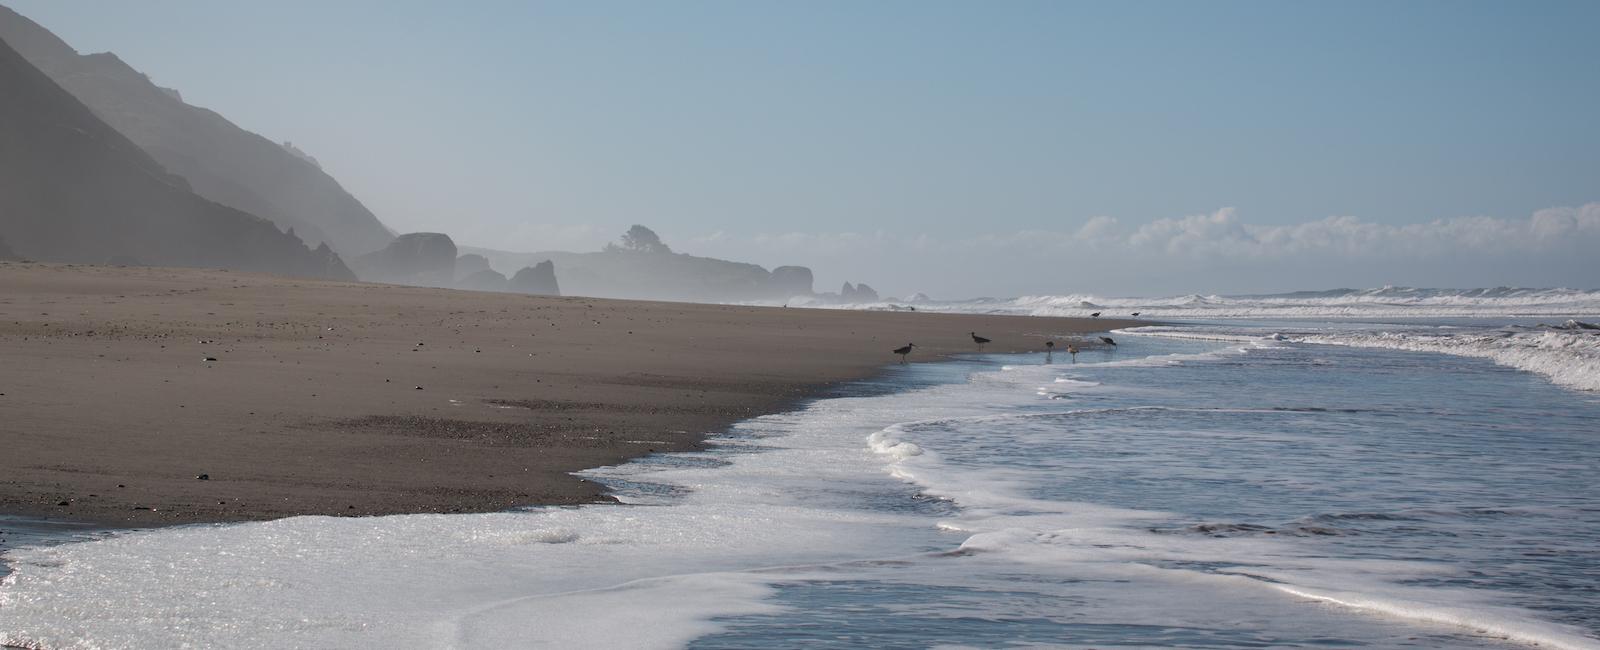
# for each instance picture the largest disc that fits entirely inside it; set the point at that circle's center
(1567, 354)
(1389, 302)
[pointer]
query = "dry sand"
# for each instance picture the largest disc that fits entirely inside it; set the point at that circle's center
(120, 386)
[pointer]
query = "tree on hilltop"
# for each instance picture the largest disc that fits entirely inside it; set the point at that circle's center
(643, 240)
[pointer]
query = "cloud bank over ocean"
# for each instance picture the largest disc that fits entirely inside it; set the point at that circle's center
(1220, 251)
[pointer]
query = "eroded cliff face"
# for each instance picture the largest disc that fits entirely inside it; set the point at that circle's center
(420, 258)
(539, 279)
(655, 275)
(218, 160)
(73, 189)
(790, 281)
(467, 265)
(857, 293)
(485, 280)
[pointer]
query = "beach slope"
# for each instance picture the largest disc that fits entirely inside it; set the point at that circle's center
(151, 396)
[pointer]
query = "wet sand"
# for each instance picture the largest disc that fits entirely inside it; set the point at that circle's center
(121, 387)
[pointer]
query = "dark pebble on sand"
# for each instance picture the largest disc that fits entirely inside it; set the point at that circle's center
(203, 477)
(64, 503)
(211, 358)
(419, 388)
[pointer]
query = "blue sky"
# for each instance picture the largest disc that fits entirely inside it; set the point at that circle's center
(883, 141)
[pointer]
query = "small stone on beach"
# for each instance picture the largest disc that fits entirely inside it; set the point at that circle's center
(203, 477)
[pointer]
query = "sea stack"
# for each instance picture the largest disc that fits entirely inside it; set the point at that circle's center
(485, 280)
(539, 280)
(790, 281)
(420, 258)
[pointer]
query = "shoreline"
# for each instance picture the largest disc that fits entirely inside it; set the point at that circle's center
(297, 397)
(18, 532)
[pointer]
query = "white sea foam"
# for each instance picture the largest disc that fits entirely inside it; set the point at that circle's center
(1485, 620)
(1567, 354)
(1384, 302)
(614, 576)
(662, 574)
(604, 575)
(1088, 542)
(1568, 358)
(1174, 359)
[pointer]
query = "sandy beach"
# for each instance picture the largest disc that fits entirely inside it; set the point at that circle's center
(153, 396)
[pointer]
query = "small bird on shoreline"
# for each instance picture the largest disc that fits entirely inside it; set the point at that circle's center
(1095, 315)
(979, 340)
(1049, 351)
(1073, 350)
(1108, 341)
(904, 351)
(1135, 314)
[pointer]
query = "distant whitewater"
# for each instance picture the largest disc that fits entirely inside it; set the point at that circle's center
(1566, 353)
(1384, 302)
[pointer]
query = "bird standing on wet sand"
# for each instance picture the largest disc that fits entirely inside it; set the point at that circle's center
(1095, 315)
(1135, 314)
(979, 340)
(1049, 351)
(904, 351)
(1108, 341)
(1073, 350)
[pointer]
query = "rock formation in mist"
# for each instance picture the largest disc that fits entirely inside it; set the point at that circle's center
(790, 281)
(220, 161)
(484, 280)
(539, 279)
(467, 265)
(641, 266)
(857, 293)
(421, 258)
(73, 189)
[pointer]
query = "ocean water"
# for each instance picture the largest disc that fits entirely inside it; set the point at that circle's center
(1366, 304)
(1289, 483)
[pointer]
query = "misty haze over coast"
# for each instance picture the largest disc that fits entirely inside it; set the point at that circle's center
(864, 162)
(722, 325)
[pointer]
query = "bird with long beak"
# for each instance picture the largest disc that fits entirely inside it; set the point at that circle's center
(903, 352)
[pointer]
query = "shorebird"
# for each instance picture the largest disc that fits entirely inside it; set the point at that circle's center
(1095, 315)
(1073, 350)
(1049, 351)
(1108, 341)
(1135, 314)
(904, 351)
(979, 340)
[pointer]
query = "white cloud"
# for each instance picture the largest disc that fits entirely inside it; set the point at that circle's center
(1217, 251)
